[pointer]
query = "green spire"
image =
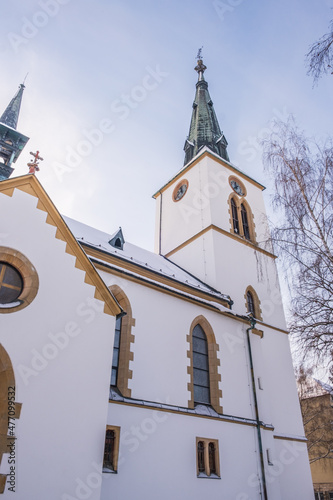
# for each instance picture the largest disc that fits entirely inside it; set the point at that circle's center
(204, 128)
(12, 142)
(11, 113)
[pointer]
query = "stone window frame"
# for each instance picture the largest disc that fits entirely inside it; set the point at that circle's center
(207, 474)
(116, 430)
(126, 339)
(29, 276)
(7, 381)
(239, 201)
(214, 363)
(256, 302)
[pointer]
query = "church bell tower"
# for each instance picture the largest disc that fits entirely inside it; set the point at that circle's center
(211, 219)
(12, 142)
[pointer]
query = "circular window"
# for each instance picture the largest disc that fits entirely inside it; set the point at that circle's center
(237, 186)
(19, 281)
(180, 190)
(11, 283)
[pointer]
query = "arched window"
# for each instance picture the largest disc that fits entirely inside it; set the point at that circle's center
(201, 387)
(252, 303)
(245, 222)
(234, 212)
(203, 370)
(123, 339)
(115, 357)
(241, 218)
(8, 405)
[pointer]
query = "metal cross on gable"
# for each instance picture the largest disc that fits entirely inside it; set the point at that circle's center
(33, 165)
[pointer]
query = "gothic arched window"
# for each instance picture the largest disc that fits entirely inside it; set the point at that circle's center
(234, 212)
(201, 386)
(253, 303)
(203, 369)
(250, 303)
(245, 222)
(123, 338)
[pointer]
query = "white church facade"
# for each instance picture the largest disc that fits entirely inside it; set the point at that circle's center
(129, 374)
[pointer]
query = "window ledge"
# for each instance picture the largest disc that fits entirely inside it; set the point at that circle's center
(108, 471)
(202, 475)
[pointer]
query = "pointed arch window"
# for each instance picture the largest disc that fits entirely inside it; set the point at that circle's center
(123, 338)
(241, 218)
(245, 222)
(250, 303)
(116, 348)
(234, 212)
(203, 368)
(253, 303)
(201, 386)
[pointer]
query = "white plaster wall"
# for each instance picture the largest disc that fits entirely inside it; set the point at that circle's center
(64, 396)
(158, 457)
(281, 384)
(292, 470)
(160, 349)
(235, 267)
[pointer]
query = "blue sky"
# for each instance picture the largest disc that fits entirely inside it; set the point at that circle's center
(126, 68)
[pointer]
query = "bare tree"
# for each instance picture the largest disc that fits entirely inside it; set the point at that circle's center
(303, 176)
(317, 412)
(319, 59)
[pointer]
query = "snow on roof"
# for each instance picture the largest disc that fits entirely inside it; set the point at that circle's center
(134, 254)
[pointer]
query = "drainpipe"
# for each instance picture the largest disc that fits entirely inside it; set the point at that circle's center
(258, 422)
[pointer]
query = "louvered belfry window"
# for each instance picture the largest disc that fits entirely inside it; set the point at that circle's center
(245, 222)
(110, 438)
(235, 221)
(250, 303)
(201, 387)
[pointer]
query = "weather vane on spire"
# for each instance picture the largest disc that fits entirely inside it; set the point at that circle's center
(200, 68)
(199, 54)
(33, 164)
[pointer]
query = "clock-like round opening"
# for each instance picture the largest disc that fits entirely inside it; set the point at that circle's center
(180, 190)
(11, 283)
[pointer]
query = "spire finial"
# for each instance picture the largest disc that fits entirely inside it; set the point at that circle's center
(33, 164)
(200, 68)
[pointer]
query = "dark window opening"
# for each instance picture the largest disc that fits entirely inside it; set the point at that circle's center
(250, 303)
(212, 461)
(117, 243)
(201, 457)
(234, 213)
(245, 222)
(109, 450)
(11, 283)
(115, 357)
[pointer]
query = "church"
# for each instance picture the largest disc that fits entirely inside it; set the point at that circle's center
(130, 374)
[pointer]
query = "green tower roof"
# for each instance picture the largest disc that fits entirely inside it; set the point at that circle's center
(10, 115)
(204, 128)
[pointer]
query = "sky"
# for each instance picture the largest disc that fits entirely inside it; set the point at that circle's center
(110, 87)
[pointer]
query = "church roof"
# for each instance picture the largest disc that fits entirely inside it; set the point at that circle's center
(30, 184)
(154, 263)
(204, 128)
(11, 114)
